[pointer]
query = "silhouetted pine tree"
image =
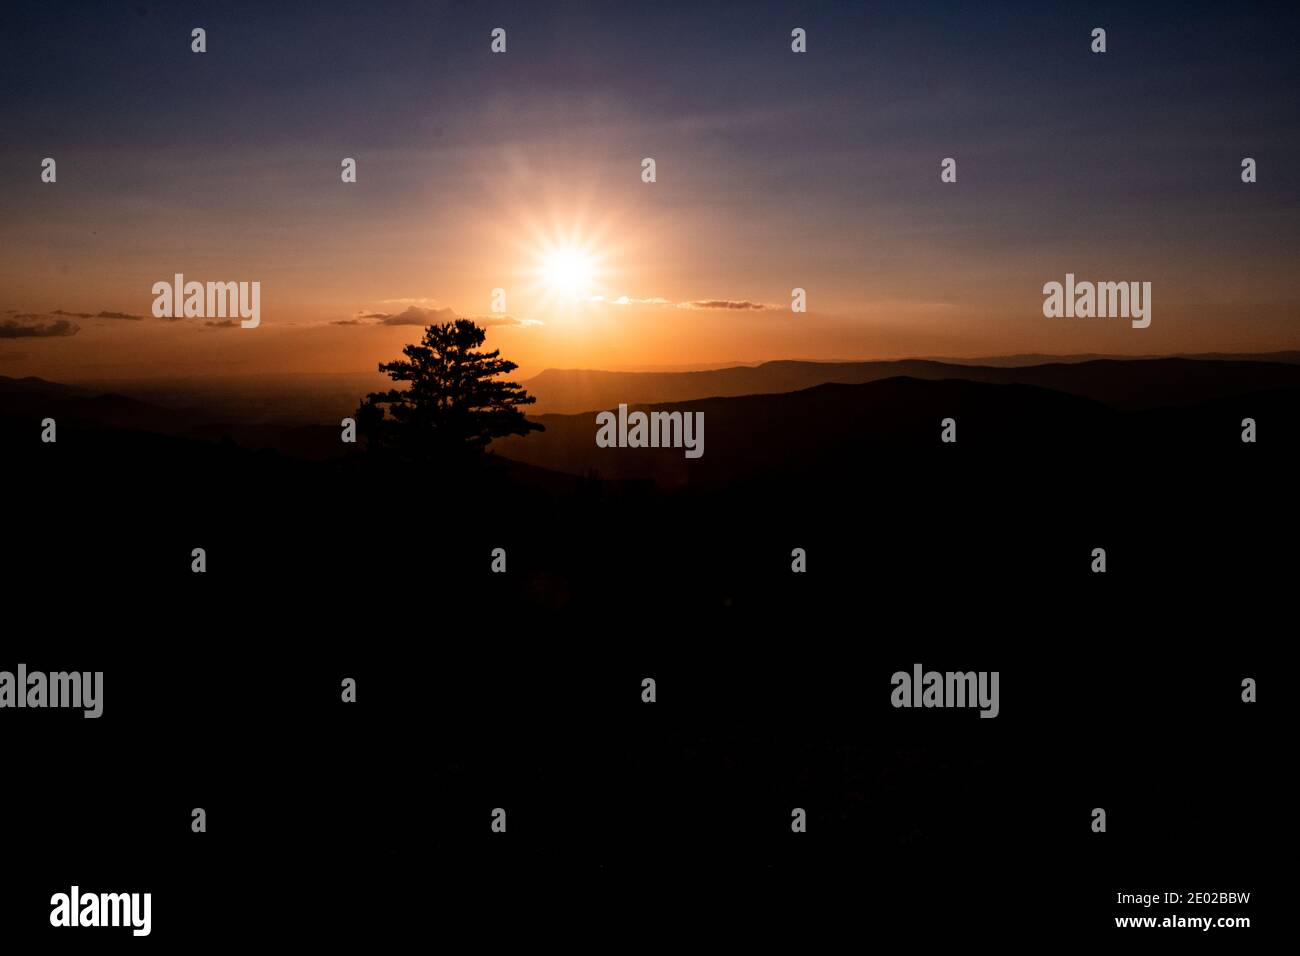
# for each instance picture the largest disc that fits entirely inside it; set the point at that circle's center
(454, 404)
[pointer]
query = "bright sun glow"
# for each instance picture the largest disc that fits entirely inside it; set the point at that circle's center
(569, 265)
(568, 272)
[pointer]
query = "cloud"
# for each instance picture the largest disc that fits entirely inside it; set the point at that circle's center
(627, 300)
(742, 304)
(487, 321)
(223, 324)
(11, 329)
(414, 315)
(100, 315)
(96, 315)
(720, 304)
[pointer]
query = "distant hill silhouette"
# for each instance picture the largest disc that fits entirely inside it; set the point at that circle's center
(1120, 383)
(855, 473)
(780, 418)
(1040, 358)
(31, 385)
(294, 398)
(824, 431)
(245, 425)
(70, 403)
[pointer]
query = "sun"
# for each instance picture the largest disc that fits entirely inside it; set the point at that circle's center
(568, 272)
(566, 262)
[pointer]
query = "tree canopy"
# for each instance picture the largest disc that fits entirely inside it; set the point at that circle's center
(454, 403)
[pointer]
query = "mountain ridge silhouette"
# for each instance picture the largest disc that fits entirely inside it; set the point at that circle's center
(1123, 383)
(833, 429)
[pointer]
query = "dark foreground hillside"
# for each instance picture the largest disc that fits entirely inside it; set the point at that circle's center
(521, 690)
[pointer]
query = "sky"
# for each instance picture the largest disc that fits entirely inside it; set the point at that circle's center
(522, 171)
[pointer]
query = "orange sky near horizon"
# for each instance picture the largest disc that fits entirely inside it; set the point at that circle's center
(710, 294)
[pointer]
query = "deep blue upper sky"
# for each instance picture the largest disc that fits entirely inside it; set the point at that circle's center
(980, 69)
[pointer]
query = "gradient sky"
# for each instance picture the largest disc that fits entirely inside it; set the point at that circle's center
(775, 170)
